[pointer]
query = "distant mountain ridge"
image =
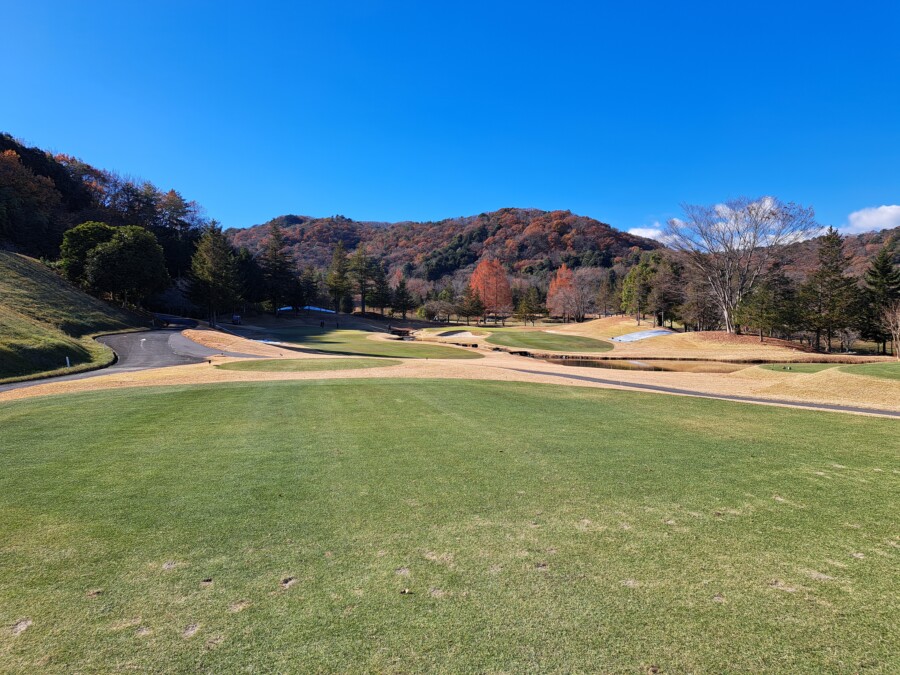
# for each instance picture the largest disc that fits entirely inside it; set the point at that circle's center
(527, 241)
(859, 250)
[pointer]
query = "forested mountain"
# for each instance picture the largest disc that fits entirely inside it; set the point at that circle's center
(126, 240)
(859, 249)
(527, 241)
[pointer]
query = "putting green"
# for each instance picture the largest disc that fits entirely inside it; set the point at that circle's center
(890, 371)
(306, 365)
(357, 343)
(277, 526)
(556, 342)
(799, 367)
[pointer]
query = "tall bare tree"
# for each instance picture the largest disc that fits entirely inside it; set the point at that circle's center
(890, 317)
(733, 244)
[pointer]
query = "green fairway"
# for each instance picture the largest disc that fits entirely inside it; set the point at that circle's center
(799, 367)
(274, 527)
(890, 371)
(556, 342)
(357, 343)
(306, 365)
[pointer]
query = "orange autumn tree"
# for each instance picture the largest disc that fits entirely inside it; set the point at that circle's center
(490, 283)
(561, 294)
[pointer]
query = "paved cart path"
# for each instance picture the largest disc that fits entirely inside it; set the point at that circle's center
(141, 351)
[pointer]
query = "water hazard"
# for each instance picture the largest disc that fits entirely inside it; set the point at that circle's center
(654, 365)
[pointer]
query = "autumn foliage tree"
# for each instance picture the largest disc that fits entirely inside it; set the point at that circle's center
(490, 283)
(561, 294)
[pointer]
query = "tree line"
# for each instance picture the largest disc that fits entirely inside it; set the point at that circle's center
(828, 310)
(725, 266)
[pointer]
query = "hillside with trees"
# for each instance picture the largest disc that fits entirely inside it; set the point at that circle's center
(526, 241)
(738, 266)
(42, 195)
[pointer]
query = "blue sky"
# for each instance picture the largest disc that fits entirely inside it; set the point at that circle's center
(417, 110)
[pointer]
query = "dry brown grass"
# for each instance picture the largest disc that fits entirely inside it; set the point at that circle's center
(834, 384)
(607, 327)
(227, 342)
(710, 345)
(829, 386)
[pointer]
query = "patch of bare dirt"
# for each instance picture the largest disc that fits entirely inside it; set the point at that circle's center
(238, 606)
(21, 626)
(819, 576)
(779, 585)
(190, 630)
(126, 623)
(439, 558)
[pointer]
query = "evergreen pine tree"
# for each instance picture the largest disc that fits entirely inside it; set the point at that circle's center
(469, 304)
(337, 280)
(828, 295)
(278, 273)
(379, 295)
(361, 274)
(882, 286)
(402, 301)
(214, 273)
(529, 306)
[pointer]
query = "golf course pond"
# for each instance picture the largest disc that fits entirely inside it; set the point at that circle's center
(674, 366)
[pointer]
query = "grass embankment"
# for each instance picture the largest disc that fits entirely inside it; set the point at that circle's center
(536, 339)
(357, 343)
(44, 319)
(274, 527)
(306, 365)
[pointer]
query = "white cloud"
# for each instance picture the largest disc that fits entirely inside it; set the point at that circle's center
(872, 218)
(653, 232)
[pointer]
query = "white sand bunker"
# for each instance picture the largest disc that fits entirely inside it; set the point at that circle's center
(641, 335)
(459, 334)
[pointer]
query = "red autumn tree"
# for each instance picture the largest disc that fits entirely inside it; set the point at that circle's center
(490, 283)
(561, 294)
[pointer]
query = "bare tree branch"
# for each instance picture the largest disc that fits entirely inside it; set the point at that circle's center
(732, 244)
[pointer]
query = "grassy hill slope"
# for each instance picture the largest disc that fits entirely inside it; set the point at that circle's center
(44, 319)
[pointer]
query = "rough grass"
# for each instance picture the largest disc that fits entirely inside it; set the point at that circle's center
(889, 371)
(556, 342)
(357, 343)
(44, 319)
(535, 528)
(306, 365)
